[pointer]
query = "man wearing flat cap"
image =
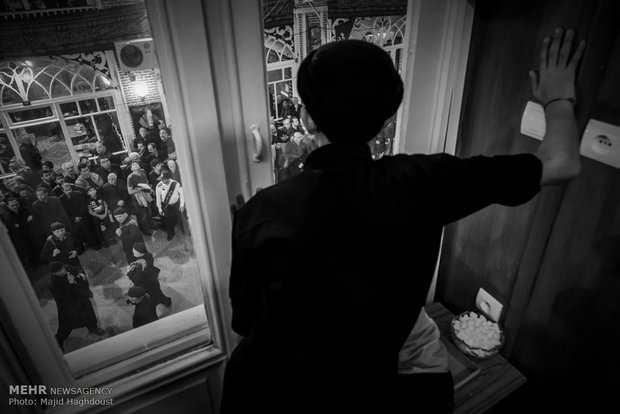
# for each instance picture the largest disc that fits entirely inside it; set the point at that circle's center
(70, 289)
(61, 246)
(170, 202)
(326, 336)
(146, 310)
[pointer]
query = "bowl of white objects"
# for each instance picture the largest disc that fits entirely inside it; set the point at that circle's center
(475, 335)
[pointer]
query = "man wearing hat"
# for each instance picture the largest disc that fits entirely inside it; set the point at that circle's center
(145, 274)
(128, 231)
(69, 287)
(170, 202)
(61, 246)
(146, 309)
(326, 336)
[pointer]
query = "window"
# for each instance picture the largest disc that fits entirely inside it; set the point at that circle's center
(107, 247)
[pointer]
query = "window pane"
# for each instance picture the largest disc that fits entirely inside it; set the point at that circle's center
(81, 85)
(82, 133)
(105, 103)
(26, 115)
(69, 109)
(88, 106)
(274, 75)
(49, 143)
(60, 89)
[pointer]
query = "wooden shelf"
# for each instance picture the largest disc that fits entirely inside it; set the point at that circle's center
(495, 381)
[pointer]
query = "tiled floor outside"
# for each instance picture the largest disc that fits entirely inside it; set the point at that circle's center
(107, 274)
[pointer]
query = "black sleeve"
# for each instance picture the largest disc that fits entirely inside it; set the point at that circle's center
(464, 186)
(245, 291)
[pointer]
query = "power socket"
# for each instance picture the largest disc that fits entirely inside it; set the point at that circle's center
(488, 305)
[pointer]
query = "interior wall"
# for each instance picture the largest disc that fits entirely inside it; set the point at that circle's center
(553, 262)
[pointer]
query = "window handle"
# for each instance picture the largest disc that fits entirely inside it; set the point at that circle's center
(258, 154)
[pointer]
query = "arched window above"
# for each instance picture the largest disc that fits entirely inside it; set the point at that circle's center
(276, 50)
(43, 78)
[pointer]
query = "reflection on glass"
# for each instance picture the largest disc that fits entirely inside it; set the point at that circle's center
(48, 140)
(69, 109)
(88, 106)
(109, 131)
(105, 103)
(31, 114)
(6, 153)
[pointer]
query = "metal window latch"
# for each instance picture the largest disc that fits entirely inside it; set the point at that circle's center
(258, 154)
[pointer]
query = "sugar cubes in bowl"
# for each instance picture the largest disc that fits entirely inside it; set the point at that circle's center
(475, 335)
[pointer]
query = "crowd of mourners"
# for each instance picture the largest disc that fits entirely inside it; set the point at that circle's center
(54, 213)
(290, 140)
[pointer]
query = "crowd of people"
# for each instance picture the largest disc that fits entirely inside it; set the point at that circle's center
(54, 213)
(290, 140)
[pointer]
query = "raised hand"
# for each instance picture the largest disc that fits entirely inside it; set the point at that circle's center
(555, 78)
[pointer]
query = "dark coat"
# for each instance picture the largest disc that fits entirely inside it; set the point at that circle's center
(112, 194)
(30, 154)
(74, 307)
(146, 312)
(47, 212)
(65, 246)
(130, 234)
(74, 206)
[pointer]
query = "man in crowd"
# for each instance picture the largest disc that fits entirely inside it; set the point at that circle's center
(170, 202)
(47, 210)
(106, 167)
(74, 205)
(47, 180)
(68, 170)
(167, 148)
(18, 221)
(71, 291)
(114, 193)
(87, 178)
(129, 233)
(60, 246)
(140, 193)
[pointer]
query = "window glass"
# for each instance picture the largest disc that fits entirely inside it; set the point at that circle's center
(124, 269)
(25, 115)
(105, 103)
(274, 75)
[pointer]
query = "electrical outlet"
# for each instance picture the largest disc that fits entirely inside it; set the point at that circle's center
(601, 142)
(488, 305)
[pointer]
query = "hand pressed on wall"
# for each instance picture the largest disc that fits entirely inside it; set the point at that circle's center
(555, 78)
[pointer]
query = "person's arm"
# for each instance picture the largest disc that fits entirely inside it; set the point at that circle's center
(554, 86)
(131, 189)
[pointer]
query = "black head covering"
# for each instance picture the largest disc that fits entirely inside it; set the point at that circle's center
(349, 88)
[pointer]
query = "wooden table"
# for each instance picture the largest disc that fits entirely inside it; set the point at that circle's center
(496, 380)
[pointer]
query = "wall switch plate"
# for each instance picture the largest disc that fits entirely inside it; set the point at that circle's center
(601, 142)
(533, 122)
(488, 305)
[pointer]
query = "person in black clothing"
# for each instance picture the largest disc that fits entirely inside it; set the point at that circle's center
(30, 153)
(73, 203)
(145, 274)
(18, 221)
(61, 246)
(316, 316)
(71, 292)
(106, 167)
(129, 233)
(146, 308)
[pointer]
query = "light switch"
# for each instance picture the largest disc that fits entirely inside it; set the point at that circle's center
(533, 122)
(488, 305)
(601, 142)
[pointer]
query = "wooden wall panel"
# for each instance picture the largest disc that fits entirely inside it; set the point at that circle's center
(553, 262)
